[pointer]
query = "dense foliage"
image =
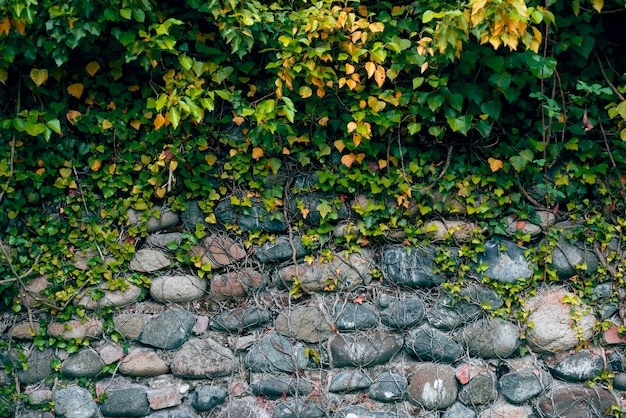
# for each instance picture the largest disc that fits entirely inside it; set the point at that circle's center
(506, 106)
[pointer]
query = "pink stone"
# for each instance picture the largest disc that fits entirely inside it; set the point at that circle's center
(611, 336)
(111, 353)
(202, 323)
(466, 372)
(163, 398)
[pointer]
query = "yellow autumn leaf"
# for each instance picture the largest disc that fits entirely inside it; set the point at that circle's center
(38, 76)
(106, 124)
(40, 171)
(323, 121)
(597, 5)
(257, 153)
(382, 163)
(339, 145)
(495, 164)
(348, 160)
(349, 69)
(160, 192)
(19, 25)
(360, 157)
(65, 172)
(356, 138)
(159, 121)
(5, 26)
(76, 89)
(351, 126)
(380, 76)
(351, 84)
(305, 92)
(112, 168)
(95, 166)
(377, 27)
(424, 67)
(136, 124)
(72, 116)
(370, 67)
(92, 68)
(238, 120)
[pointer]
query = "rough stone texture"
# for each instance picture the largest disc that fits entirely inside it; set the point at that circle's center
(575, 401)
(348, 273)
(164, 218)
(401, 313)
(480, 390)
(501, 409)
(414, 268)
(82, 329)
(363, 350)
(553, 328)
(239, 320)
(304, 323)
(430, 344)
(567, 255)
(458, 410)
(219, 251)
(353, 316)
(490, 338)
(248, 407)
(168, 330)
(31, 294)
(580, 366)
(74, 402)
(178, 412)
(388, 387)
(206, 398)
(362, 412)
(275, 353)
(282, 386)
(131, 324)
(129, 401)
(177, 289)
(149, 260)
(38, 366)
(254, 218)
(192, 216)
(433, 386)
(281, 250)
(300, 408)
(143, 362)
(236, 284)
(440, 230)
(110, 298)
(202, 359)
(165, 397)
(25, 331)
(85, 363)
(167, 241)
(520, 386)
(506, 262)
(349, 382)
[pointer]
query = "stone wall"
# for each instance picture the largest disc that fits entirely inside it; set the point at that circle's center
(374, 333)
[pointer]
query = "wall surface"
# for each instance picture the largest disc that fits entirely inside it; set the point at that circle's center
(281, 330)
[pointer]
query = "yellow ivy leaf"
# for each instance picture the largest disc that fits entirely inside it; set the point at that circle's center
(106, 124)
(136, 124)
(356, 138)
(257, 153)
(494, 164)
(5, 26)
(92, 68)
(622, 134)
(238, 120)
(95, 166)
(356, 36)
(133, 88)
(597, 5)
(351, 84)
(305, 92)
(76, 90)
(323, 121)
(65, 172)
(382, 164)
(211, 218)
(159, 121)
(19, 25)
(370, 67)
(40, 171)
(72, 116)
(339, 145)
(160, 192)
(349, 69)
(360, 157)
(351, 126)
(348, 159)
(377, 27)
(304, 212)
(424, 67)
(38, 76)
(232, 152)
(380, 76)
(112, 168)
(3, 76)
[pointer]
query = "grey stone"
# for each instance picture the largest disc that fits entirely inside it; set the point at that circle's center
(445, 315)
(311, 202)
(520, 386)
(514, 225)
(553, 328)
(169, 241)
(388, 387)
(192, 216)
(248, 407)
(38, 366)
(240, 319)
(490, 338)
(433, 386)
(503, 409)
(430, 344)
(304, 323)
(413, 267)
(277, 387)
(177, 412)
(343, 272)
(218, 250)
(300, 408)
(252, 218)
(177, 289)
(458, 410)
(568, 256)
(281, 250)
(580, 366)
(576, 401)
(85, 363)
(110, 298)
(480, 390)
(362, 412)
(236, 284)
(362, 350)
(480, 296)
(619, 381)
(130, 401)
(149, 260)
(202, 359)
(353, 316)
(275, 353)
(206, 398)
(131, 324)
(164, 220)
(74, 402)
(168, 330)
(506, 262)
(401, 313)
(349, 382)
(143, 362)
